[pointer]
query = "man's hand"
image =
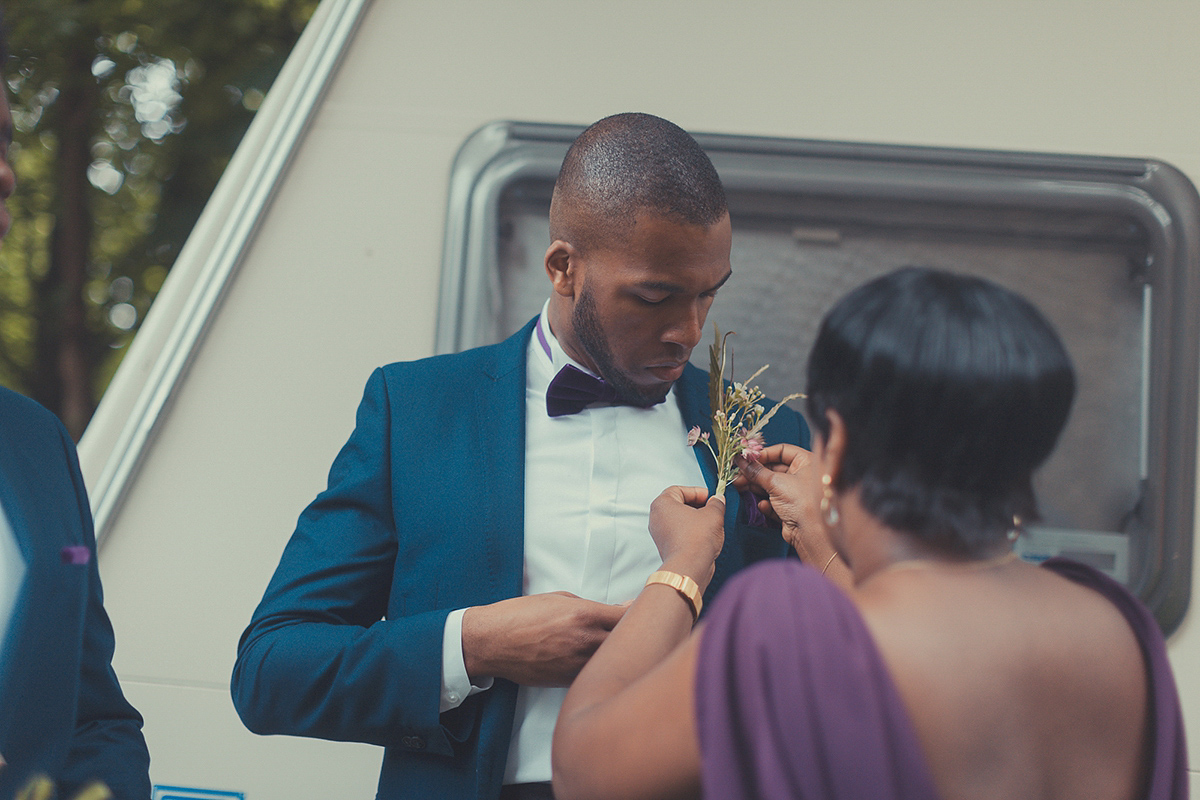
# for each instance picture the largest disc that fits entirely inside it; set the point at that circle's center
(538, 640)
(688, 527)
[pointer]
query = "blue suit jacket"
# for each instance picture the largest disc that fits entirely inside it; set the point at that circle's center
(424, 514)
(62, 712)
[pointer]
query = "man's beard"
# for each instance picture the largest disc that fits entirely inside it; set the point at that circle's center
(595, 344)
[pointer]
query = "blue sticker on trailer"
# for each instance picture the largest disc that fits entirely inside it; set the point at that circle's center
(187, 793)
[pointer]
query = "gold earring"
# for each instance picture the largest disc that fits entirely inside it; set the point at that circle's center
(829, 512)
(1016, 530)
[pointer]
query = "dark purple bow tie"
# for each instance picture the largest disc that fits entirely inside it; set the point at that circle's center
(572, 390)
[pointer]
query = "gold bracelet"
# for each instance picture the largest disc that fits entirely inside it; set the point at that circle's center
(827, 563)
(682, 584)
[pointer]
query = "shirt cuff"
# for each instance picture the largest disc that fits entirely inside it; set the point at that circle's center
(456, 685)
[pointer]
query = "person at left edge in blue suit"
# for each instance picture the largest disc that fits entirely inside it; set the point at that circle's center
(487, 520)
(62, 713)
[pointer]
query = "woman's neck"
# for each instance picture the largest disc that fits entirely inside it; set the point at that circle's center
(876, 549)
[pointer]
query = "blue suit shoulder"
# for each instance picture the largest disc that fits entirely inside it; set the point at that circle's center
(25, 418)
(494, 361)
(36, 444)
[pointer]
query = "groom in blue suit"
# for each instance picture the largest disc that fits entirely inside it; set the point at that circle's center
(486, 521)
(62, 713)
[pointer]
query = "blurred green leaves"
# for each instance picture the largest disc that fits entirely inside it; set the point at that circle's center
(125, 113)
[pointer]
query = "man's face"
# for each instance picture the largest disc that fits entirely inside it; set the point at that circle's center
(8, 180)
(640, 307)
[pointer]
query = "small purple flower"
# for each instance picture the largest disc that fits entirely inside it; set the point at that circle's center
(75, 554)
(694, 436)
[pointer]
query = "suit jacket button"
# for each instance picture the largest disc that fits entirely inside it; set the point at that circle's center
(413, 742)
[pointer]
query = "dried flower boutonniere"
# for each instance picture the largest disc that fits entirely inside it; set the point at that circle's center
(738, 416)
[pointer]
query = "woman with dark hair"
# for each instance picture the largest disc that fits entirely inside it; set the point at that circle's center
(915, 656)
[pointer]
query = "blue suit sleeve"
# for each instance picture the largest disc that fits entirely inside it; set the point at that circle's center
(107, 743)
(331, 651)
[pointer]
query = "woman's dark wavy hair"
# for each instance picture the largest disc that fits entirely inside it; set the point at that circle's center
(953, 391)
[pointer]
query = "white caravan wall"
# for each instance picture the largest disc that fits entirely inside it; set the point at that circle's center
(343, 275)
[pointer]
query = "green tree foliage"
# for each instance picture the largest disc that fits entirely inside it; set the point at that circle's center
(126, 113)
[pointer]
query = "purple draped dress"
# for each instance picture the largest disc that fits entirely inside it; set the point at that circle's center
(793, 700)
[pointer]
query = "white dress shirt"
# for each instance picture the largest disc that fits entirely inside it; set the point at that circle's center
(12, 572)
(589, 481)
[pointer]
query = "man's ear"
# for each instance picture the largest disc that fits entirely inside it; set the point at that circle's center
(562, 265)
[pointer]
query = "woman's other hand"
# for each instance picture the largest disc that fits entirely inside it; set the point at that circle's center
(783, 473)
(786, 475)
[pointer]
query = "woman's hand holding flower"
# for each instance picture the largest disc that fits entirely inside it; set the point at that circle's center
(786, 475)
(689, 528)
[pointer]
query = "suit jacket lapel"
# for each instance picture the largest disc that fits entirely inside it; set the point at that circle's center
(500, 421)
(692, 391)
(11, 501)
(48, 607)
(15, 516)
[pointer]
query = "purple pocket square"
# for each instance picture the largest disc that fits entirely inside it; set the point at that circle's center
(75, 554)
(754, 517)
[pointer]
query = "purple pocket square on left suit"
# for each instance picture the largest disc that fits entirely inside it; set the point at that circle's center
(75, 554)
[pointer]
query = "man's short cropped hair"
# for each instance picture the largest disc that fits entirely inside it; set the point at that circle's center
(631, 164)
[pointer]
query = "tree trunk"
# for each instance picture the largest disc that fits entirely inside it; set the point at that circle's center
(64, 365)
